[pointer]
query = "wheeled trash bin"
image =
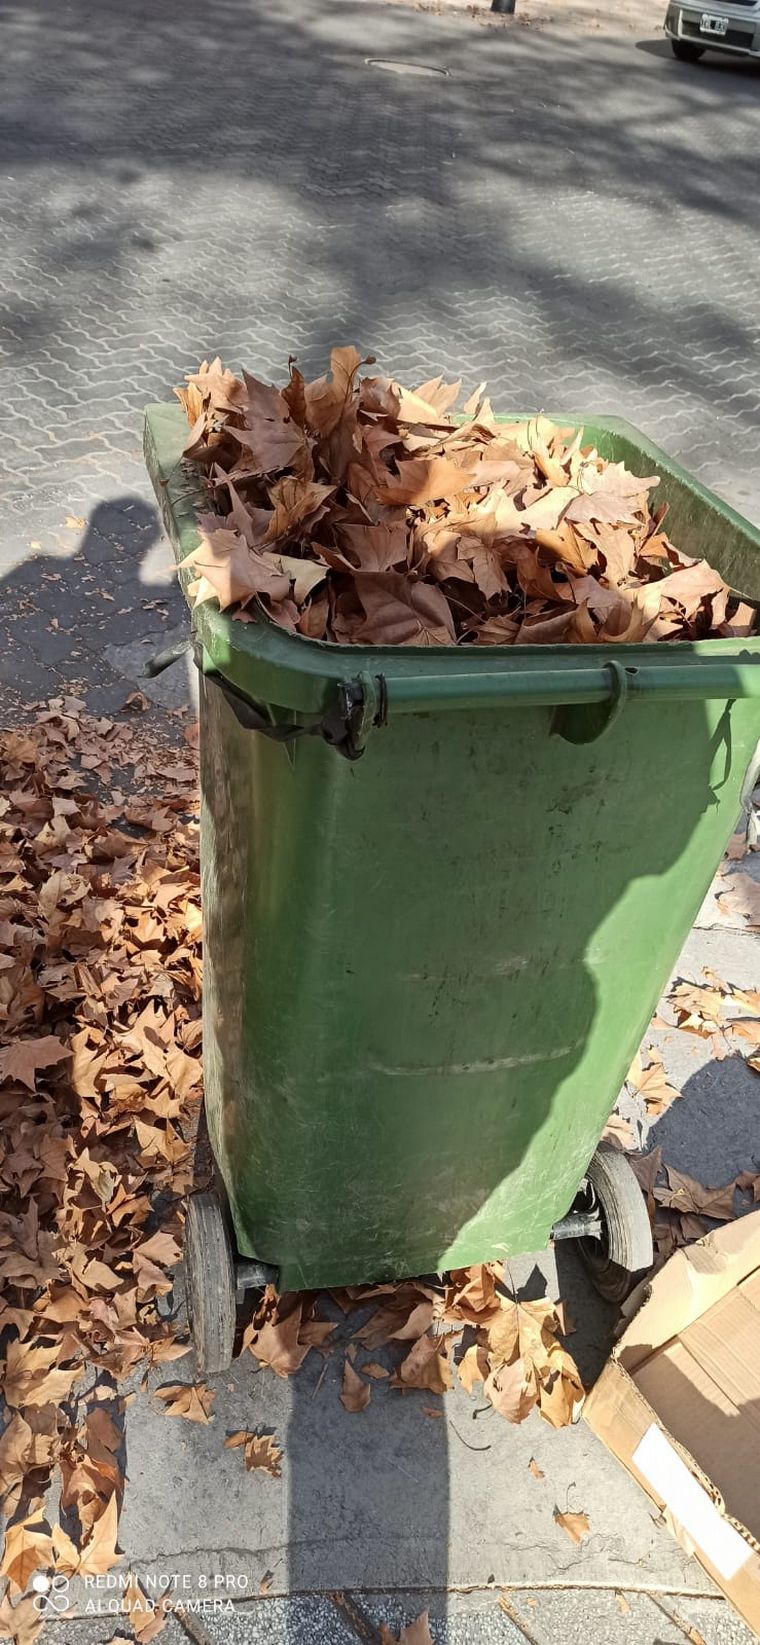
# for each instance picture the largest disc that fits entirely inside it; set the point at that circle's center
(443, 889)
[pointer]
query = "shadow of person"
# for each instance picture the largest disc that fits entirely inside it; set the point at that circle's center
(82, 617)
(426, 976)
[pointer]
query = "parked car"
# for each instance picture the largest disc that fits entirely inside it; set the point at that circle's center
(729, 25)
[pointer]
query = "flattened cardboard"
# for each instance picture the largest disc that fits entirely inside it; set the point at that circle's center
(679, 1404)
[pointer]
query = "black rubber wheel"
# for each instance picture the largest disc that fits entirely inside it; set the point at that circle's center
(624, 1251)
(210, 1283)
(686, 53)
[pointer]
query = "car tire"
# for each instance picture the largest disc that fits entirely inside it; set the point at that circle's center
(686, 53)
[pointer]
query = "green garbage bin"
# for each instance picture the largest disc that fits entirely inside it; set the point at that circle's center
(427, 969)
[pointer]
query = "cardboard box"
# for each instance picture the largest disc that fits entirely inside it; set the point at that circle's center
(679, 1404)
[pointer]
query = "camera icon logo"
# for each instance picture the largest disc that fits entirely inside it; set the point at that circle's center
(51, 1594)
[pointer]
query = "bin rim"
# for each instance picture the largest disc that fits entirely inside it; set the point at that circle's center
(264, 661)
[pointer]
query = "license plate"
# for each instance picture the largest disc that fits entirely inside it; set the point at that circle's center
(709, 24)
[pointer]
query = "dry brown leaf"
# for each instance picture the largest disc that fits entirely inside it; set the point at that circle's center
(425, 1366)
(260, 1451)
(192, 1400)
(98, 1552)
(538, 1473)
(372, 1369)
(651, 1082)
(473, 1366)
(21, 1622)
(146, 1615)
(355, 1394)
(684, 1194)
(575, 1525)
(528, 535)
(21, 1060)
(511, 1390)
(415, 1633)
(28, 1548)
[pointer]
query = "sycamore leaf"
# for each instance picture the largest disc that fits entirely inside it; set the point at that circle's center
(21, 1622)
(400, 612)
(276, 1339)
(294, 502)
(33, 1377)
(683, 1194)
(98, 1552)
(270, 444)
(232, 571)
(511, 1390)
(28, 1548)
(528, 535)
(192, 1400)
(147, 1615)
(355, 1394)
(259, 1450)
(575, 1525)
(652, 1082)
(425, 1367)
(473, 1366)
(424, 479)
(21, 1060)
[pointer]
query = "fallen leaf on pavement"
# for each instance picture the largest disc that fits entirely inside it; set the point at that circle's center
(415, 1633)
(355, 1394)
(259, 1450)
(683, 1194)
(575, 1525)
(21, 1622)
(28, 1548)
(651, 1082)
(538, 1473)
(192, 1400)
(146, 1615)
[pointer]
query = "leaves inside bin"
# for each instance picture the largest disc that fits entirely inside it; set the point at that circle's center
(354, 510)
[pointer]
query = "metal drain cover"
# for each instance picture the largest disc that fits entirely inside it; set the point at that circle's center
(391, 65)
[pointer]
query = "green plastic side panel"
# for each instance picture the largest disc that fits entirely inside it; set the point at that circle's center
(427, 971)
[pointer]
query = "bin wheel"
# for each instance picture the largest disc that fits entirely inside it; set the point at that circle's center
(210, 1283)
(623, 1251)
(685, 52)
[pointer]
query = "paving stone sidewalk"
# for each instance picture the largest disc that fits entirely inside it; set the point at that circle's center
(574, 219)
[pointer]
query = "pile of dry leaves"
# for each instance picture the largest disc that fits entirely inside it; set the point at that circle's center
(471, 1328)
(351, 509)
(99, 1074)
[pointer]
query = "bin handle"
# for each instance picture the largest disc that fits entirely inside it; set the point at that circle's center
(607, 682)
(571, 692)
